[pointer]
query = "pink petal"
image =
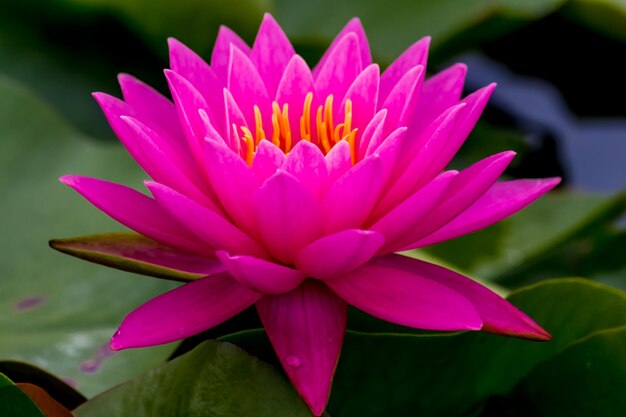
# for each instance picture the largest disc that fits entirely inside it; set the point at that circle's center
(157, 159)
(151, 106)
(234, 120)
(233, 182)
(396, 225)
(353, 26)
(306, 162)
(220, 59)
(306, 328)
(267, 159)
(349, 201)
(287, 214)
(467, 187)
(340, 69)
(401, 101)
(188, 101)
(262, 276)
(207, 225)
(338, 160)
(440, 92)
(339, 253)
(373, 134)
(271, 52)
(113, 108)
(405, 297)
(137, 212)
(498, 315)
(416, 54)
(295, 84)
(247, 87)
(417, 171)
(194, 69)
(501, 201)
(183, 312)
(380, 142)
(363, 93)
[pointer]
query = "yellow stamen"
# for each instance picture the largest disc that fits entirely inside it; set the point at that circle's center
(258, 121)
(287, 127)
(328, 135)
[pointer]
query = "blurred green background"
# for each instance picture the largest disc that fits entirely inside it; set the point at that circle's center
(559, 104)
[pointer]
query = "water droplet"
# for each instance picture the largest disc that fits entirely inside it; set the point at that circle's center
(294, 361)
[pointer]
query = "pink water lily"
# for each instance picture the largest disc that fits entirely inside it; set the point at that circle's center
(291, 189)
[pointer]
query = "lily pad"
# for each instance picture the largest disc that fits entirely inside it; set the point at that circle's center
(215, 379)
(453, 374)
(59, 313)
(586, 379)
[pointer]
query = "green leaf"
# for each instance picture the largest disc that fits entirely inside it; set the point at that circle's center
(134, 253)
(215, 379)
(503, 252)
(449, 375)
(606, 16)
(60, 313)
(13, 402)
(394, 25)
(586, 379)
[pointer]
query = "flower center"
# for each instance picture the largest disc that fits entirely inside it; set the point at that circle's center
(325, 136)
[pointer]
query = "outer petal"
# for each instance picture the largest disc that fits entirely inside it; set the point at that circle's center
(405, 297)
(287, 214)
(262, 276)
(364, 94)
(188, 101)
(416, 54)
(209, 226)
(467, 187)
(220, 57)
(195, 70)
(183, 312)
(353, 26)
(340, 69)
(151, 105)
(271, 52)
(497, 314)
(161, 164)
(306, 162)
(113, 108)
(399, 222)
(349, 201)
(247, 87)
(136, 211)
(339, 253)
(501, 201)
(306, 328)
(267, 159)
(441, 91)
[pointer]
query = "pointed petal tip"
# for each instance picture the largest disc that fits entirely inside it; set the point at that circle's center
(70, 180)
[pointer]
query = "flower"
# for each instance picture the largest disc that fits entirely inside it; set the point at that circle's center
(292, 189)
